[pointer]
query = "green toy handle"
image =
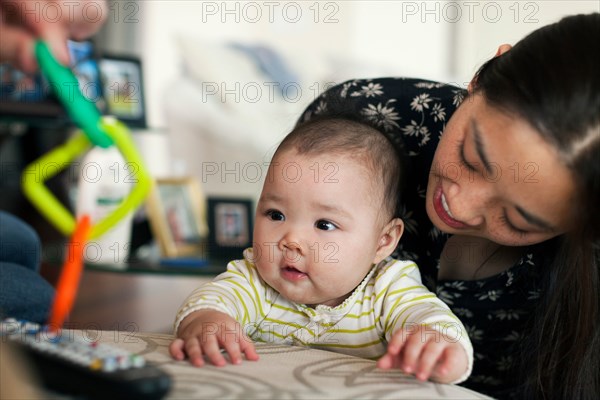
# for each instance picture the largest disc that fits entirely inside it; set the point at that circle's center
(66, 87)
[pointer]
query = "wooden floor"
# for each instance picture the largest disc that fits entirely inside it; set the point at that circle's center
(134, 302)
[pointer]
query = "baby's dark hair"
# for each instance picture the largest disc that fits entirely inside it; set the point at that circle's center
(357, 140)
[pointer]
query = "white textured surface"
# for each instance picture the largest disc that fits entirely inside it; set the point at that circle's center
(283, 372)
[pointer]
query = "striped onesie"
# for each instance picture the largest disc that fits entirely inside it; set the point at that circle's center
(389, 298)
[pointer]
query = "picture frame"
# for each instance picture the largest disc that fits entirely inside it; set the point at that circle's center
(177, 214)
(31, 97)
(123, 89)
(230, 227)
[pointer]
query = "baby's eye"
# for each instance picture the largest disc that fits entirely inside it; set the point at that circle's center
(275, 215)
(325, 225)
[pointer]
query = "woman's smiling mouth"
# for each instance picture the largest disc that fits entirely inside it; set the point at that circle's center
(442, 209)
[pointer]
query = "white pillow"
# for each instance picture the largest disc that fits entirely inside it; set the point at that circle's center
(217, 67)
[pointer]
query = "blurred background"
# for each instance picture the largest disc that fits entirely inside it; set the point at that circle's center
(227, 79)
(438, 40)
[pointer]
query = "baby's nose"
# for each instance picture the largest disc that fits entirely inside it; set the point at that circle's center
(290, 246)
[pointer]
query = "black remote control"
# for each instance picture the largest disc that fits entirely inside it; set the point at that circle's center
(74, 366)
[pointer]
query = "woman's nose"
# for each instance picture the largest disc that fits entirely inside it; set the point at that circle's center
(468, 202)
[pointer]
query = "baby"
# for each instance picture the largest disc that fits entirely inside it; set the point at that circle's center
(319, 273)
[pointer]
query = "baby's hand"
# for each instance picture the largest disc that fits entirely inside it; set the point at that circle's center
(205, 333)
(426, 353)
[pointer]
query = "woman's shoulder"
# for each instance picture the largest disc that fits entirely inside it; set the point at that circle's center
(386, 90)
(373, 87)
(411, 112)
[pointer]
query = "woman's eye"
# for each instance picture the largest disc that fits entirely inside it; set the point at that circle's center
(506, 222)
(275, 215)
(463, 159)
(325, 225)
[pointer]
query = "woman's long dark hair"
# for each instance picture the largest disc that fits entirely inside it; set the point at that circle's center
(551, 79)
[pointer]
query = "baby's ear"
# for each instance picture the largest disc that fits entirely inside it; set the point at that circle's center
(388, 239)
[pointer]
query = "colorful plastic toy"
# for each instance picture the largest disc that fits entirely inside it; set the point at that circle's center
(68, 282)
(66, 87)
(95, 131)
(50, 164)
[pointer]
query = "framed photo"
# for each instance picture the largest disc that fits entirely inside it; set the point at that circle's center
(123, 89)
(229, 226)
(30, 96)
(177, 214)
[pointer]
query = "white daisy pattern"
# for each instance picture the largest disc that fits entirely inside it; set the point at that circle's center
(474, 332)
(508, 314)
(492, 295)
(447, 297)
(321, 108)
(434, 233)
(425, 85)
(504, 363)
(383, 116)
(370, 90)
(463, 312)
(438, 112)
(459, 96)
(510, 276)
(513, 337)
(416, 129)
(421, 102)
(346, 86)
(527, 259)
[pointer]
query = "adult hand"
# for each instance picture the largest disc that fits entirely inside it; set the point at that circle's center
(54, 21)
(426, 353)
(205, 333)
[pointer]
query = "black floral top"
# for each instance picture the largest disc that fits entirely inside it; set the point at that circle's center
(413, 114)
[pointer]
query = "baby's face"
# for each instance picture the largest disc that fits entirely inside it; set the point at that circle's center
(318, 226)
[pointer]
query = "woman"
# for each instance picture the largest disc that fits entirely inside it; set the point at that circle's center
(502, 213)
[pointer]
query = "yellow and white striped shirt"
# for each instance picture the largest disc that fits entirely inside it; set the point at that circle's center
(390, 297)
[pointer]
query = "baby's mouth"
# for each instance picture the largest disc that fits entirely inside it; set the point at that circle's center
(293, 273)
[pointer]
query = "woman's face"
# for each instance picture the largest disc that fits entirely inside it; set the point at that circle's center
(494, 176)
